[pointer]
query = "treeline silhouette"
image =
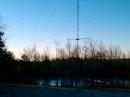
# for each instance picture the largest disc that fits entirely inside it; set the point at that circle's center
(95, 61)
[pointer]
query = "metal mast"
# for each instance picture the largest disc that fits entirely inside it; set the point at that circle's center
(77, 39)
(77, 28)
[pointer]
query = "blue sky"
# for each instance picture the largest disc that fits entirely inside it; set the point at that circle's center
(42, 22)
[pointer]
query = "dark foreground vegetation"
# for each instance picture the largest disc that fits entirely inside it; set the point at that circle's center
(94, 64)
(87, 70)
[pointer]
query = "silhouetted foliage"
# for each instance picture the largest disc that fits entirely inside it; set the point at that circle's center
(6, 58)
(95, 62)
(4, 54)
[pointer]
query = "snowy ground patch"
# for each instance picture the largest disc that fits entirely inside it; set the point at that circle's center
(33, 91)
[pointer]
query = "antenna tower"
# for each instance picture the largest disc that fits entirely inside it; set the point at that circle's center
(77, 28)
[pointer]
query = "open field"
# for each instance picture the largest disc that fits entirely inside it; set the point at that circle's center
(33, 91)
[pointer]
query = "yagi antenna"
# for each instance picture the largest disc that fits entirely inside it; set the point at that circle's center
(77, 30)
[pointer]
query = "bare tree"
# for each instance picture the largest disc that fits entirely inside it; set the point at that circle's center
(31, 54)
(25, 57)
(92, 48)
(128, 55)
(114, 52)
(68, 49)
(62, 53)
(45, 55)
(57, 43)
(85, 50)
(74, 51)
(102, 51)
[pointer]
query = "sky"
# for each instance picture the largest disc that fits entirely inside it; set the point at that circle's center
(42, 22)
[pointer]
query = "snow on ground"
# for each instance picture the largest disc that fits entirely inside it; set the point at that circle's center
(32, 91)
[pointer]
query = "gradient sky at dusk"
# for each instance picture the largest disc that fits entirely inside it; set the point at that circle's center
(42, 22)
